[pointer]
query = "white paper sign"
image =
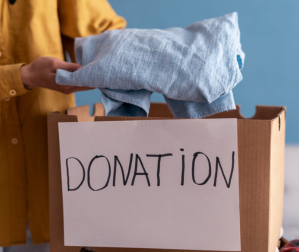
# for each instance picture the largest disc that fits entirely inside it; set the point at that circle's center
(168, 184)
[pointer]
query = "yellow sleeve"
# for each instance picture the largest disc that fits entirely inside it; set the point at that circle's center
(81, 18)
(10, 81)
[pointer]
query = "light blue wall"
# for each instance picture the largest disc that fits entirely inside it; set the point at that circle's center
(269, 36)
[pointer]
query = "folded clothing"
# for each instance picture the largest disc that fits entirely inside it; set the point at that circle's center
(292, 246)
(195, 68)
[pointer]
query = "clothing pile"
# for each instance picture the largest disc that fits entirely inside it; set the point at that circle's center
(292, 246)
(195, 68)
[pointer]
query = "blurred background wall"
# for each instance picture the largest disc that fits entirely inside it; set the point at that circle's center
(269, 37)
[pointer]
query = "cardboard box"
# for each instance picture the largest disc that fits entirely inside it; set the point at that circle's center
(261, 142)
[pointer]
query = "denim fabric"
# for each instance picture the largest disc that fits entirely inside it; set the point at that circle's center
(195, 68)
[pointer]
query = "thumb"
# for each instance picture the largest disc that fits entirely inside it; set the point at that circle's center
(71, 67)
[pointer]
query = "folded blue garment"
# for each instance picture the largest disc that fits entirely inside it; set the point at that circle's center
(195, 68)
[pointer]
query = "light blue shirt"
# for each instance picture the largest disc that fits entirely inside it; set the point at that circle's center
(195, 68)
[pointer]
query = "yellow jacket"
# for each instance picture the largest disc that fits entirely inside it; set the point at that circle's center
(30, 29)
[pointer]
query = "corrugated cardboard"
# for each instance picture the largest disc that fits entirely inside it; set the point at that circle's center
(261, 174)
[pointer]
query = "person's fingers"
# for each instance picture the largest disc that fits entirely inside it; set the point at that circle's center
(66, 89)
(71, 89)
(54, 86)
(71, 67)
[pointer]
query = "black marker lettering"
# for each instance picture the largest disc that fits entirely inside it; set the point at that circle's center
(144, 173)
(88, 173)
(183, 169)
(159, 156)
(68, 177)
(125, 179)
(193, 168)
(231, 173)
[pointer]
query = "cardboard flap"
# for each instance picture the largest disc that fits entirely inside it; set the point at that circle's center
(268, 112)
(261, 113)
(162, 110)
(82, 112)
(55, 191)
(127, 118)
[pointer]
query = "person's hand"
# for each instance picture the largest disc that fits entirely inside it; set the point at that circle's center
(42, 73)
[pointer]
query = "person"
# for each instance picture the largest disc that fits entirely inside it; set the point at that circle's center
(33, 37)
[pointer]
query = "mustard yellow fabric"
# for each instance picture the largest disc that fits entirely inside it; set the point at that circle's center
(30, 29)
